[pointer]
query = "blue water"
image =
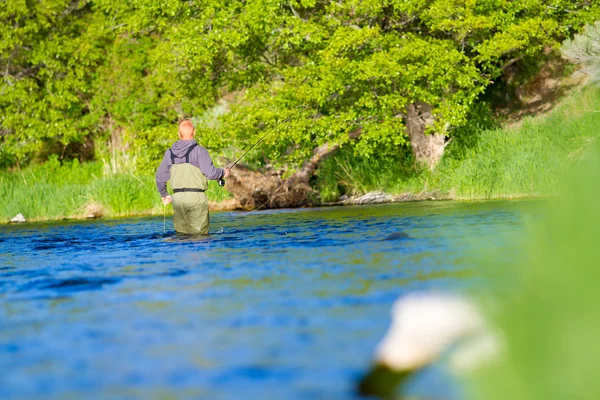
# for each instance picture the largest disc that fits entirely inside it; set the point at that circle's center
(274, 305)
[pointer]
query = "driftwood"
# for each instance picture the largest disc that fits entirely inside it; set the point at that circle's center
(255, 189)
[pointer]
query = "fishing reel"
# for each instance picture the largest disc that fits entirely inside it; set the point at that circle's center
(221, 182)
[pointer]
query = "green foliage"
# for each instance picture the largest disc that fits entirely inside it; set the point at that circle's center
(48, 57)
(122, 73)
(54, 190)
(546, 310)
(125, 194)
(500, 163)
(373, 59)
(464, 138)
(348, 173)
(365, 89)
(114, 78)
(151, 147)
(50, 191)
(522, 161)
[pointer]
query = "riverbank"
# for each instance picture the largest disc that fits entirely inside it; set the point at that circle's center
(518, 161)
(513, 162)
(55, 191)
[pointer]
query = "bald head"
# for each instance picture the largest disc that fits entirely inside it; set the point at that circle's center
(186, 130)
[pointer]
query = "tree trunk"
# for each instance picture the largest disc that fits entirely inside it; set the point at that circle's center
(268, 190)
(427, 148)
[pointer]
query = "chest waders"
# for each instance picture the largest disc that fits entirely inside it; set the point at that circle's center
(190, 205)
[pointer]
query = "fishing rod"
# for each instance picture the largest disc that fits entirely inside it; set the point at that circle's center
(222, 181)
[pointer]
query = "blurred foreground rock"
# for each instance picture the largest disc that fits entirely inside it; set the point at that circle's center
(424, 328)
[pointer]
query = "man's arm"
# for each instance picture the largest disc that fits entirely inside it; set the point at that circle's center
(163, 174)
(206, 165)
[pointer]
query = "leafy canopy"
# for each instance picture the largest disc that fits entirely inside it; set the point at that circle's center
(75, 72)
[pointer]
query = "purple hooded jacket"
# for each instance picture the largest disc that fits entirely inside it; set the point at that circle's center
(198, 157)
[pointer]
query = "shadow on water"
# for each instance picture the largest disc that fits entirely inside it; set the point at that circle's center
(69, 284)
(275, 304)
(179, 238)
(397, 236)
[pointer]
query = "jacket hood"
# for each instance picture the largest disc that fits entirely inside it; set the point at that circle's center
(181, 147)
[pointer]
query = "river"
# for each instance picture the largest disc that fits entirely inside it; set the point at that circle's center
(285, 304)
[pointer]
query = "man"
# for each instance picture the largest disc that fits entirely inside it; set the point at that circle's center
(188, 166)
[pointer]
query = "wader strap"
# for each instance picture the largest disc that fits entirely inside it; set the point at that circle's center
(188, 190)
(187, 155)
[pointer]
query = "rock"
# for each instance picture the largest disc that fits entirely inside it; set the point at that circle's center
(373, 198)
(18, 218)
(397, 236)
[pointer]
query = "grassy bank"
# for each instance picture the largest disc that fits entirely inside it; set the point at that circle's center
(521, 161)
(73, 190)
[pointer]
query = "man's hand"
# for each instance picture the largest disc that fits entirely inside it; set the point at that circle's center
(166, 200)
(226, 174)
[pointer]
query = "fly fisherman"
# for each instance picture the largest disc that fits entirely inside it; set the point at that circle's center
(188, 166)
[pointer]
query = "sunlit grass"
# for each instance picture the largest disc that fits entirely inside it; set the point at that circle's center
(523, 161)
(528, 160)
(72, 190)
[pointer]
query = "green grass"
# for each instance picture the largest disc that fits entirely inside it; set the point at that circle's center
(347, 173)
(547, 311)
(523, 161)
(528, 160)
(55, 191)
(70, 190)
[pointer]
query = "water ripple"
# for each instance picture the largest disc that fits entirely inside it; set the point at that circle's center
(275, 304)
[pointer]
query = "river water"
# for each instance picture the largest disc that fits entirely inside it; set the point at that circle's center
(284, 304)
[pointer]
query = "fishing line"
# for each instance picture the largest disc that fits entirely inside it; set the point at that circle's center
(221, 181)
(263, 138)
(267, 134)
(270, 199)
(220, 208)
(265, 203)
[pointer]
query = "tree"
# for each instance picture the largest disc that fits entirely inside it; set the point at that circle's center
(378, 74)
(584, 49)
(48, 55)
(395, 72)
